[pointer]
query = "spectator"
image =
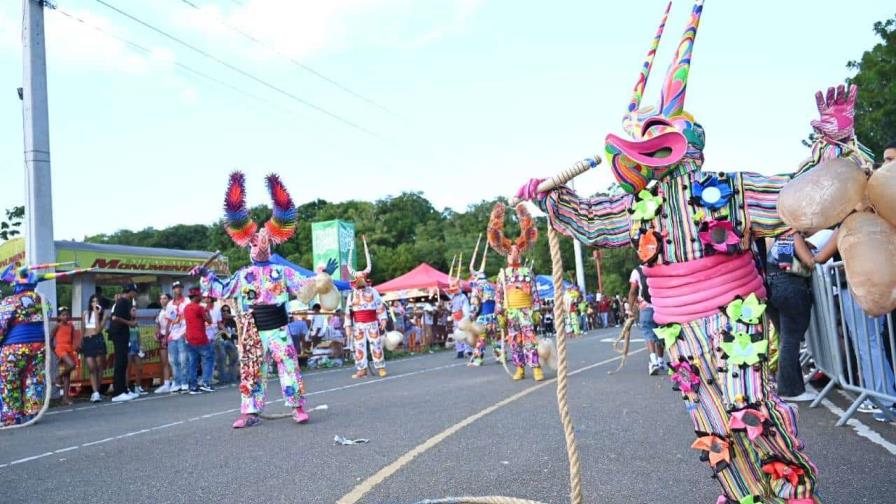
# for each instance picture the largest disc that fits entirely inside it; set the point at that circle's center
(177, 344)
(162, 325)
(398, 321)
(319, 327)
(547, 321)
(337, 335)
(298, 331)
(212, 328)
(428, 321)
(65, 340)
(120, 332)
(603, 310)
(105, 303)
(93, 345)
(790, 308)
(227, 357)
(196, 317)
(135, 355)
(639, 295)
(583, 315)
(614, 310)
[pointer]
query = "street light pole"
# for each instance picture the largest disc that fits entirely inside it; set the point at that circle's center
(39, 246)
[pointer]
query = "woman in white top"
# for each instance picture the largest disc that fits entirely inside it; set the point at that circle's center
(93, 345)
(162, 323)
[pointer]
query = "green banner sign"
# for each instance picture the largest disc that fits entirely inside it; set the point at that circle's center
(331, 240)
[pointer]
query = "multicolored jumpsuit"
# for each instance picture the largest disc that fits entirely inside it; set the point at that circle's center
(482, 302)
(709, 301)
(460, 309)
(571, 299)
(22, 357)
(261, 291)
(365, 314)
(517, 295)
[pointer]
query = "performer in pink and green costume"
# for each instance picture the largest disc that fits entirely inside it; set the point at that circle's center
(693, 230)
(261, 291)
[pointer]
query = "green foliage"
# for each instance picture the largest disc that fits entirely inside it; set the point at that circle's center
(11, 227)
(876, 78)
(402, 231)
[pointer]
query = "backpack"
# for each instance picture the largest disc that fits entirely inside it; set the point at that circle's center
(643, 291)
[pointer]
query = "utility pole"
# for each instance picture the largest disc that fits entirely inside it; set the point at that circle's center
(577, 250)
(39, 245)
(596, 253)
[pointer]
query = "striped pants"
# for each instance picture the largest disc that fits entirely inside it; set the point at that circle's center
(744, 431)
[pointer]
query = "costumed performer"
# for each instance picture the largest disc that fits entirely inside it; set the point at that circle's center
(365, 318)
(459, 305)
(482, 305)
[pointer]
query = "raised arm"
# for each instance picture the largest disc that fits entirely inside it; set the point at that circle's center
(600, 221)
(294, 281)
(835, 138)
(216, 287)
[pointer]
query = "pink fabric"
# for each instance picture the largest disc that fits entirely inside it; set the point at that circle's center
(689, 291)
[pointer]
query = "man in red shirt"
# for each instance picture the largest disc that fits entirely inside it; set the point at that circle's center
(603, 310)
(198, 346)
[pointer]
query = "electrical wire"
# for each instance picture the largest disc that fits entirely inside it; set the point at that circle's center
(185, 68)
(238, 70)
(292, 60)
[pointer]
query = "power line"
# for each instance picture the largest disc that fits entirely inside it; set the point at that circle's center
(238, 70)
(181, 66)
(292, 60)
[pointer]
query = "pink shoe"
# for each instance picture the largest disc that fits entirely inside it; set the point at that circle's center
(300, 416)
(246, 420)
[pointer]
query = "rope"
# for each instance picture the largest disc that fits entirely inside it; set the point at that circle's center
(572, 452)
(479, 500)
(625, 339)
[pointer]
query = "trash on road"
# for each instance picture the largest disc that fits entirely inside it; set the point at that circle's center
(339, 440)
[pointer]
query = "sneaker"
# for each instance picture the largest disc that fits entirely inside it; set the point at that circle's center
(206, 388)
(195, 391)
(164, 389)
(882, 418)
(804, 397)
(122, 397)
(184, 388)
(868, 407)
(140, 391)
(95, 397)
(652, 368)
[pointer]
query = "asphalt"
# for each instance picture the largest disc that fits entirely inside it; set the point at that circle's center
(633, 435)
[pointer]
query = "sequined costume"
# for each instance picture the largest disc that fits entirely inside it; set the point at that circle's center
(571, 299)
(365, 319)
(692, 230)
(516, 293)
(261, 291)
(23, 373)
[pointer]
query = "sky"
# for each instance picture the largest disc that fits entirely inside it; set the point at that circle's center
(463, 100)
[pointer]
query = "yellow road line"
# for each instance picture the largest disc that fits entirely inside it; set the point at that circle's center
(367, 485)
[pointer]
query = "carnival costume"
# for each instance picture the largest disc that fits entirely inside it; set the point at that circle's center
(482, 305)
(23, 373)
(692, 230)
(365, 319)
(571, 300)
(459, 306)
(261, 291)
(516, 294)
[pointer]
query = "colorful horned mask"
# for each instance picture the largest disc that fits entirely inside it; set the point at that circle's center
(25, 278)
(660, 136)
(359, 278)
(513, 250)
(478, 274)
(244, 231)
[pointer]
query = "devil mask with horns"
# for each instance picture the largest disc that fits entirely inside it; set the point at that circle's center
(244, 231)
(513, 250)
(360, 278)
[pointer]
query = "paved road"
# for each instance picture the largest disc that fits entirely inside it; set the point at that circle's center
(632, 429)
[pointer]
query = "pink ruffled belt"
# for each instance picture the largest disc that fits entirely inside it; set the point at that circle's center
(689, 291)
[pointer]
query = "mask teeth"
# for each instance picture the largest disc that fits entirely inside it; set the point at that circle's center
(673, 93)
(638, 92)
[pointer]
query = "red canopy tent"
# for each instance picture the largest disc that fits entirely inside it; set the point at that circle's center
(420, 279)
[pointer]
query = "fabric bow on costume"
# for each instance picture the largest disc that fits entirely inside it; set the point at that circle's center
(750, 420)
(747, 310)
(780, 470)
(718, 235)
(685, 376)
(715, 448)
(711, 193)
(743, 351)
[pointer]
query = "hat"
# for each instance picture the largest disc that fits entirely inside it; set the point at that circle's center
(63, 309)
(130, 287)
(177, 284)
(195, 291)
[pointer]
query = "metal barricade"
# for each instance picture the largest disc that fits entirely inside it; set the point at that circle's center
(849, 346)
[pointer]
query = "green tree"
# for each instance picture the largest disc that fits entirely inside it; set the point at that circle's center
(11, 226)
(876, 78)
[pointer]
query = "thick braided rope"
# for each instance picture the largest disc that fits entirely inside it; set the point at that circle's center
(572, 452)
(480, 500)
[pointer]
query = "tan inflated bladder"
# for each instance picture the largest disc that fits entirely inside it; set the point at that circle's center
(867, 244)
(823, 196)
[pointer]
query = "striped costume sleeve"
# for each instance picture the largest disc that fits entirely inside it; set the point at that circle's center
(760, 192)
(602, 221)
